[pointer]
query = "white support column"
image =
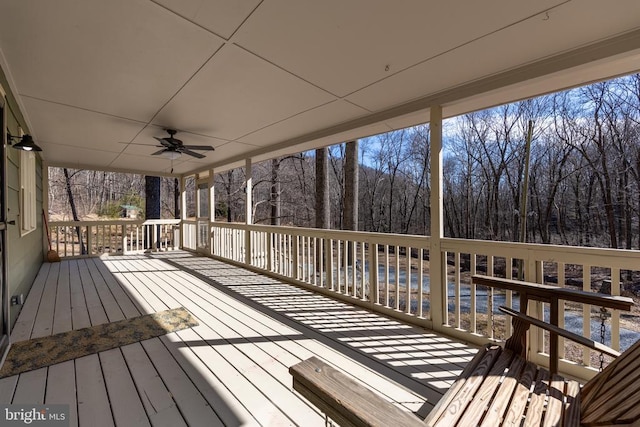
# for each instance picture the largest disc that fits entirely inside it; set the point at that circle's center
(183, 209)
(248, 218)
(212, 199)
(45, 200)
(437, 271)
(212, 207)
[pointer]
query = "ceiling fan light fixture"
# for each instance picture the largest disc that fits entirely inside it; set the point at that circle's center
(171, 154)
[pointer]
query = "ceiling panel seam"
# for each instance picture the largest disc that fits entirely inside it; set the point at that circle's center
(173, 12)
(287, 118)
(469, 42)
(291, 73)
(89, 110)
(245, 20)
(170, 99)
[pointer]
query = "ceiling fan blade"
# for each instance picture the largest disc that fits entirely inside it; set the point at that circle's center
(165, 142)
(192, 153)
(199, 147)
(157, 153)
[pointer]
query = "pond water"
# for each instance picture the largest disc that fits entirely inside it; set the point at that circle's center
(573, 321)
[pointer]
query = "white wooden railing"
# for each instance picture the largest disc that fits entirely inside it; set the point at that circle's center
(472, 310)
(189, 235)
(92, 238)
(338, 263)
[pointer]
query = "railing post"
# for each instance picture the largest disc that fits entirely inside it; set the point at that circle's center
(437, 272)
(124, 239)
(89, 240)
(248, 210)
(296, 259)
(328, 256)
(373, 273)
(183, 211)
(269, 251)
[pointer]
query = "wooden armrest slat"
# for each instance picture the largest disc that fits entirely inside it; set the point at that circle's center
(344, 400)
(562, 332)
(540, 292)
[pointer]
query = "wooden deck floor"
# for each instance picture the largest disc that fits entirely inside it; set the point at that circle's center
(230, 370)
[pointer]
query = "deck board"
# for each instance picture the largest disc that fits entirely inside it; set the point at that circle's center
(93, 401)
(267, 327)
(249, 390)
(157, 400)
(79, 313)
(126, 406)
(97, 314)
(61, 388)
(43, 324)
(62, 318)
(232, 369)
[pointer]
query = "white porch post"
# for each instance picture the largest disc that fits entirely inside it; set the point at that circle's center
(437, 271)
(248, 217)
(183, 210)
(212, 208)
(45, 203)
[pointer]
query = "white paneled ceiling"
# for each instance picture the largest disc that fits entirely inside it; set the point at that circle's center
(96, 80)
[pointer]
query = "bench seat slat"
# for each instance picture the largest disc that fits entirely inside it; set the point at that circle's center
(515, 411)
(533, 416)
(555, 404)
(477, 407)
(572, 406)
(456, 400)
(509, 395)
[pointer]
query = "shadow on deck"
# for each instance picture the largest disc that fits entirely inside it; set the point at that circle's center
(232, 369)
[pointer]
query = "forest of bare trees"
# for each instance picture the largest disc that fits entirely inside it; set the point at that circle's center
(584, 179)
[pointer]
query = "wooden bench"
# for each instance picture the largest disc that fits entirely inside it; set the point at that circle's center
(499, 386)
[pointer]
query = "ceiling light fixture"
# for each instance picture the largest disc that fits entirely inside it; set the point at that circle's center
(26, 143)
(171, 154)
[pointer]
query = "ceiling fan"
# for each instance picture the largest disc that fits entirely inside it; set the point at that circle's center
(173, 147)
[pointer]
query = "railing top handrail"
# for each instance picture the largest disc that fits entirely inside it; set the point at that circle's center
(114, 222)
(546, 293)
(364, 236)
(518, 248)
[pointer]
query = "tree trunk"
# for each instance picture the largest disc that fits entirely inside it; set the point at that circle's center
(322, 198)
(176, 198)
(322, 188)
(275, 192)
(74, 212)
(229, 201)
(152, 209)
(351, 181)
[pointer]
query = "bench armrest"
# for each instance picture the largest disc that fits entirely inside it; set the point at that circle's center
(562, 332)
(344, 400)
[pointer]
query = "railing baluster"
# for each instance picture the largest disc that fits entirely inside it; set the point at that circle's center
(472, 295)
(374, 292)
(456, 282)
(615, 315)
(560, 268)
(386, 275)
(407, 282)
(397, 267)
(419, 312)
(509, 294)
(490, 310)
(586, 312)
